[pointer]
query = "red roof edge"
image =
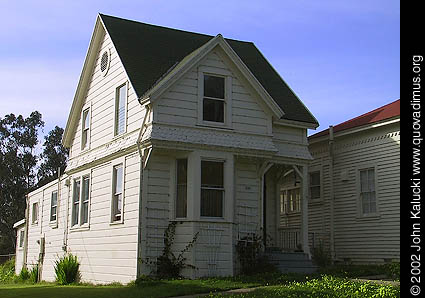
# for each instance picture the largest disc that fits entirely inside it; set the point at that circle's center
(382, 113)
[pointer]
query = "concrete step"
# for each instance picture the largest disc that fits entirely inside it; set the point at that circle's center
(291, 262)
(286, 256)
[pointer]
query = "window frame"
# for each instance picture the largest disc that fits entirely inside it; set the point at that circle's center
(80, 178)
(119, 162)
(313, 170)
(54, 206)
(227, 110)
(35, 211)
(359, 169)
(222, 189)
(87, 130)
(287, 207)
(116, 107)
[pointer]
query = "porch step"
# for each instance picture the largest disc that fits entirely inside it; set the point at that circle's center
(291, 262)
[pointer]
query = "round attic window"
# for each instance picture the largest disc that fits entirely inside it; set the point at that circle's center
(104, 62)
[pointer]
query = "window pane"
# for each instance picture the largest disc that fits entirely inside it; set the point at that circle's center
(76, 197)
(84, 139)
(76, 202)
(371, 180)
(21, 238)
(213, 86)
(315, 192)
(85, 213)
(120, 109)
(181, 198)
(363, 181)
(212, 174)
(117, 207)
(212, 202)
(53, 205)
(213, 110)
(118, 171)
(86, 183)
(315, 178)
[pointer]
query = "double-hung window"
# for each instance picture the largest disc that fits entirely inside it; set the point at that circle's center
(213, 103)
(80, 201)
(85, 134)
(181, 193)
(54, 206)
(290, 200)
(34, 213)
(120, 104)
(117, 193)
(212, 188)
(367, 191)
(315, 185)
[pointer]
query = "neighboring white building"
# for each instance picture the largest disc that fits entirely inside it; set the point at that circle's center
(168, 125)
(358, 165)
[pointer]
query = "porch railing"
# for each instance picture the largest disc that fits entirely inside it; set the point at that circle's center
(289, 238)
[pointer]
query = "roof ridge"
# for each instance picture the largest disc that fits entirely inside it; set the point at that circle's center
(171, 29)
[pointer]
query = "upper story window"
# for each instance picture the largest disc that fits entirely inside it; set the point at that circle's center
(80, 201)
(117, 193)
(212, 188)
(34, 217)
(85, 134)
(120, 109)
(54, 206)
(181, 193)
(315, 185)
(367, 191)
(213, 106)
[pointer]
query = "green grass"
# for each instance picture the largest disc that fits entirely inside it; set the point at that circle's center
(163, 288)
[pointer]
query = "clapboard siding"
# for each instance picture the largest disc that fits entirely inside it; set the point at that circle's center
(359, 238)
(179, 105)
(100, 97)
(101, 245)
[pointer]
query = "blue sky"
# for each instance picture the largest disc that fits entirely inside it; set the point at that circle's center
(342, 58)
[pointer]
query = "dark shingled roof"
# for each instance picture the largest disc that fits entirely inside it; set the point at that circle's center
(149, 51)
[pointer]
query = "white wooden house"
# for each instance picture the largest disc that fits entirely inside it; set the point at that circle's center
(354, 191)
(168, 125)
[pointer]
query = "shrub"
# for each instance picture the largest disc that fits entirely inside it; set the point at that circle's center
(33, 274)
(248, 250)
(24, 274)
(393, 270)
(7, 270)
(67, 269)
(321, 257)
(168, 265)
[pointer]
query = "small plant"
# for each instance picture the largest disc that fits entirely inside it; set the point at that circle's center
(24, 274)
(321, 257)
(33, 274)
(393, 270)
(67, 269)
(249, 250)
(168, 265)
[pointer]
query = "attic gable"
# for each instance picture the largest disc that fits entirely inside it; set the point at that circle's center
(148, 52)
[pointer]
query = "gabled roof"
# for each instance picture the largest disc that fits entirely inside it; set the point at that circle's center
(148, 52)
(385, 112)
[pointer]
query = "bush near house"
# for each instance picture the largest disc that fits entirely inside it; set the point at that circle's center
(67, 269)
(7, 271)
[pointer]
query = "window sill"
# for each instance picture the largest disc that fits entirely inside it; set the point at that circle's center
(315, 201)
(215, 125)
(115, 223)
(203, 219)
(79, 228)
(53, 224)
(372, 216)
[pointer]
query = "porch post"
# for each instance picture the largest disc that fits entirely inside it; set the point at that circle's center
(304, 211)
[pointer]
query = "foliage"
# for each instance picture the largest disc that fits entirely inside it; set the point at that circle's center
(33, 274)
(24, 275)
(67, 269)
(7, 271)
(22, 169)
(168, 265)
(249, 250)
(18, 160)
(393, 270)
(321, 257)
(54, 156)
(325, 286)
(352, 271)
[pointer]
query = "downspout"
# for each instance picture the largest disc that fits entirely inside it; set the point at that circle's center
(332, 196)
(65, 230)
(139, 230)
(27, 199)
